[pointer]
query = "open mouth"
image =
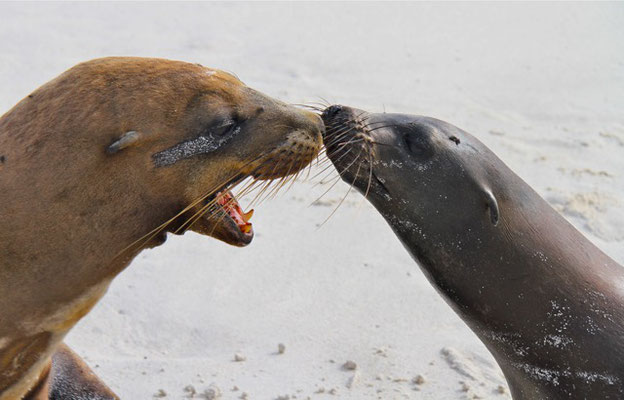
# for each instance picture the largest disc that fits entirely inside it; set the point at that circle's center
(221, 216)
(234, 213)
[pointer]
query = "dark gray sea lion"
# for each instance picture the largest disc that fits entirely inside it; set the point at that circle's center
(547, 303)
(100, 163)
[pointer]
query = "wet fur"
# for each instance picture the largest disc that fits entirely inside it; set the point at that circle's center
(547, 303)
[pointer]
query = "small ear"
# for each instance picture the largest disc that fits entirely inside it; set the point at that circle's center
(492, 206)
(126, 140)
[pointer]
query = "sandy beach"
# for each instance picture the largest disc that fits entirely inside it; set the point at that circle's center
(541, 84)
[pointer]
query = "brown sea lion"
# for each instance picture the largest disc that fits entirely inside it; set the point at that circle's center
(100, 163)
(547, 303)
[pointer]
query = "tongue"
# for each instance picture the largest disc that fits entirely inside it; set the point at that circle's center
(231, 206)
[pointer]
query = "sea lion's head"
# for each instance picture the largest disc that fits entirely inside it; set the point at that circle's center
(99, 162)
(191, 133)
(424, 175)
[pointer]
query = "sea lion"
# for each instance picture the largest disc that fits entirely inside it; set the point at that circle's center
(547, 303)
(100, 163)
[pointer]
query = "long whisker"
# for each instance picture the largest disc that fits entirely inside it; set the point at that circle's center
(140, 242)
(246, 190)
(338, 156)
(203, 210)
(357, 173)
(195, 217)
(370, 170)
(362, 116)
(282, 182)
(347, 151)
(154, 232)
(337, 136)
(209, 207)
(335, 128)
(339, 175)
(295, 176)
(263, 191)
(381, 127)
(325, 102)
(263, 188)
(309, 106)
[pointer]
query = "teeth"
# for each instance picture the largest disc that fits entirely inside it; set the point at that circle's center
(247, 216)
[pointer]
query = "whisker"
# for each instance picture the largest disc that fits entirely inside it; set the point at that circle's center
(309, 170)
(154, 232)
(340, 157)
(309, 106)
(336, 179)
(382, 127)
(370, 171)
(206, 208)
(352, 141)
(357, 173)
(363, 116)
(190, 221)
(343, 130)
(264, 186)
(347, 151)
(143, 240)
(324, 101)
(281, 183)
(295, 176)
(339, 175)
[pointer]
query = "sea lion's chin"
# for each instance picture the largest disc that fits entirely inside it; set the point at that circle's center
(229, 232)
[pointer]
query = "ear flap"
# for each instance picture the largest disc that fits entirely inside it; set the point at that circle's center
(126, 140)
(492, 206)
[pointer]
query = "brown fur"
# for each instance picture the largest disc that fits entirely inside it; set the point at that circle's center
(69, 209)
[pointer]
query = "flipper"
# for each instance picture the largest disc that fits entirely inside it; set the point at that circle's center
(69, 378)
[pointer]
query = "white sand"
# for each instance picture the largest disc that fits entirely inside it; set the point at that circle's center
(542, 85)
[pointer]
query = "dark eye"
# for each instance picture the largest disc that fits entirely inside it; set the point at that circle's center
(417, 145)
(228, 128)
(223, 128)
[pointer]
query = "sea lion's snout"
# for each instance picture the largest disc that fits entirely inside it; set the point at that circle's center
(337, 114)
(331, 111)
(302, 140)
(341, 124)
(313, 126)
(349, 139)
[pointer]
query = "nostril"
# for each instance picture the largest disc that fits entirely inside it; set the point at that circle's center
(332, 111)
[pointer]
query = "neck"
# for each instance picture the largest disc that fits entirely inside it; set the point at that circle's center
(546, 302)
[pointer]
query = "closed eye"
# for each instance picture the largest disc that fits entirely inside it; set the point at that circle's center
(229, 129)
(417, 145)
(417, 139)
(224, 129)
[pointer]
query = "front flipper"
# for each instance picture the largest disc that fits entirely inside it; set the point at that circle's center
(70, 378)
